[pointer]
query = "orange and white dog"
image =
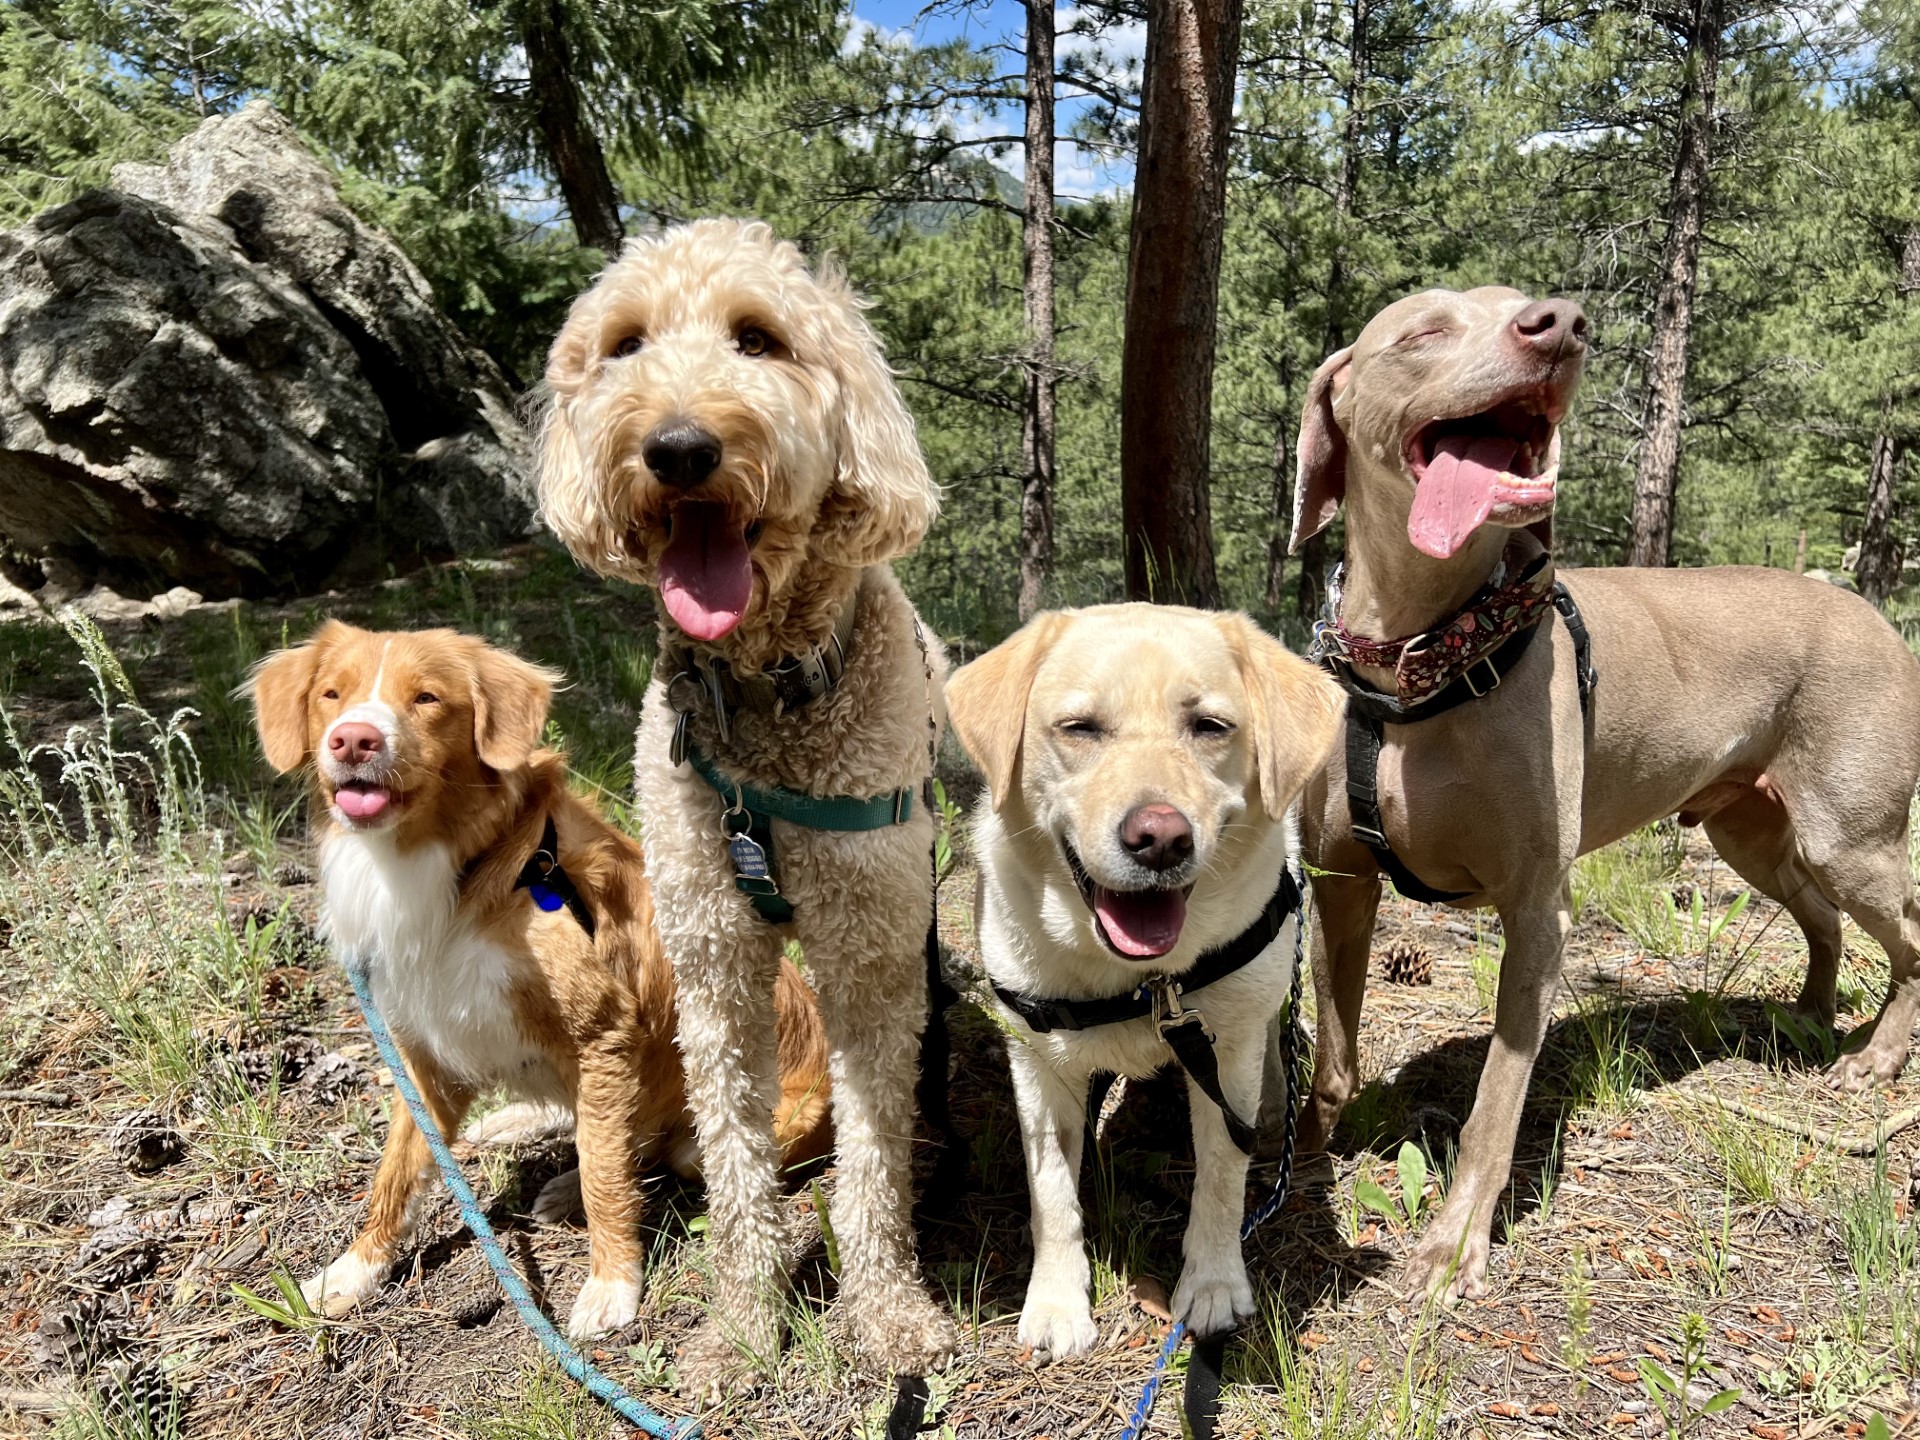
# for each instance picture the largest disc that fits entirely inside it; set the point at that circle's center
(432, 800)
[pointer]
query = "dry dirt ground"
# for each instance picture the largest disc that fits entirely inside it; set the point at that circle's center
(190, 1105)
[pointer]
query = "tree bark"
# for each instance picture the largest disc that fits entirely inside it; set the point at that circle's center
(1173, 284)
(1878, 572)
(1346, 182)
(1659, 469)
(572, 148)
(1036, 243)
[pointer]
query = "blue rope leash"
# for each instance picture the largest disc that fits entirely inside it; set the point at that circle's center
(1143, 1407)
(556, 1344)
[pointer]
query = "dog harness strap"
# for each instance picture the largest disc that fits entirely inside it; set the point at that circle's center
(748, 819)
(548, 882)
(787, 684)
(1363, 807)
(1044, 1016)
(1191, 1041)
(1583, 669)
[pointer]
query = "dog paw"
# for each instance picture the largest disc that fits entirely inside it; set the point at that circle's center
(342, 1285)
(1443, 1269)
(559, 1202)
(1214, 1299)
(521, 1123)
(1867, 1068)
(907, 1334)
(712, 1367)
(1057, 1320)
(605, 1303)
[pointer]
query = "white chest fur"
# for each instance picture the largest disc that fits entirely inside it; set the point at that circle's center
(441, 987)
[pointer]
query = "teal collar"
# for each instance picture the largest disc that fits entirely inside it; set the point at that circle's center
(751, 808)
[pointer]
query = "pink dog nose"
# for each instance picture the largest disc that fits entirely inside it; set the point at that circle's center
(1554, 328)
(355, 743)
(1158, 837)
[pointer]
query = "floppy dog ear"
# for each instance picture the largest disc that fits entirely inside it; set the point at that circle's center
(279, 686)
(1295, 707)
(1321, 483)
(510, 699)
(883, 500)
(571, 500)
(987, 700)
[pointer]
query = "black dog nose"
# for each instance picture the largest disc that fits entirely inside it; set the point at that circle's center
(1158, 837)
(682, 454)
(1552, 327)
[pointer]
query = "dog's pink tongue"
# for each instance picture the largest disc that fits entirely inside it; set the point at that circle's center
(706, 574)
(1141, 922)
(361, 804)
(1455, 496)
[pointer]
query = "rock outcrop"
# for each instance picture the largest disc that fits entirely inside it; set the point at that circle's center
(216, 375)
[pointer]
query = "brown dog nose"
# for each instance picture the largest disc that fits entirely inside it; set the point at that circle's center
(355, 743)
(682, 454)
(1158, 837)
(1553, 328)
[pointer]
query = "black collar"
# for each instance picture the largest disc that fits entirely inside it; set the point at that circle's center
(787, 684)
(1043, 1016)
(548, 882)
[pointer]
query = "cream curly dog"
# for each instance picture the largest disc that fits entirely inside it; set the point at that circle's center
(724, 429)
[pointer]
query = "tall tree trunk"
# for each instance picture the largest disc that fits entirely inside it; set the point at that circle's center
(1036, 244)
(1313, 554)
(1879, 569)
(1659, 470)
(572, 148)
(1173, 291)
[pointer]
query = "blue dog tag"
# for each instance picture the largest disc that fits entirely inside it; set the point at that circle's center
(546, 899)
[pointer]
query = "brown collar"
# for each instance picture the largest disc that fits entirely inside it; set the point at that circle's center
(787, 684)
(1425, 664)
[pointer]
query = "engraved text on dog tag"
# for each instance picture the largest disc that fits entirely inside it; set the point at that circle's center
(749, 857)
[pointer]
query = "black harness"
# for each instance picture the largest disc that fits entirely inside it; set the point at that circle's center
(1369, 709)
(547, 881)
(1184, 1030)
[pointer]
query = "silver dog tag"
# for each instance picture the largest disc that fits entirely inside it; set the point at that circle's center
(749, 857)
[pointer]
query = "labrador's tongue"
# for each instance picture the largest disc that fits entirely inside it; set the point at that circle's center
(1455, 496)
(706, 574)
(361, 802)
(1141, 922)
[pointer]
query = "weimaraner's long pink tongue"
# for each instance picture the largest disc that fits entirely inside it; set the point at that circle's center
(706, 574)
(1455, 496)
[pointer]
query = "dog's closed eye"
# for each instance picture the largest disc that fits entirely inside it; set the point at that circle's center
(1081, 727)
(1210, 726)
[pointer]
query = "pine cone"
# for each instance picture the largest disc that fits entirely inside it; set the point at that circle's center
(138, 1393)
(119, 1256)
(331, 1079)
(80, 1336)
(1405, 963)
(146, 1141)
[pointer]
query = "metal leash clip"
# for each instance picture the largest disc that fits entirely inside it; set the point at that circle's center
(1169, 1015)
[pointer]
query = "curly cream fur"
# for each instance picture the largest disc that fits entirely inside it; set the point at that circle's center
(819, 451)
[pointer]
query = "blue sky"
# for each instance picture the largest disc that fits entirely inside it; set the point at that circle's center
(1078, 173)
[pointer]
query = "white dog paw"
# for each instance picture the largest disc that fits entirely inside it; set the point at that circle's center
(342, 1285)
(1215, 1299)
(559, 1202)
(1058, 1320)
(521, 1123)
(603, 1305)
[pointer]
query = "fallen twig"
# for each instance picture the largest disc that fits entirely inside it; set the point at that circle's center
(52, 1098)
(1853, 1143)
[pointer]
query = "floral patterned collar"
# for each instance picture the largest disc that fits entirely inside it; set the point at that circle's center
(1425, 664)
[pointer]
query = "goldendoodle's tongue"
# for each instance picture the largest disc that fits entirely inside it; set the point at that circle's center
(706, 574)
(1455, 496)
(1142, 923)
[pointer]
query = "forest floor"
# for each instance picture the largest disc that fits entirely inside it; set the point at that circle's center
(1691, 1209)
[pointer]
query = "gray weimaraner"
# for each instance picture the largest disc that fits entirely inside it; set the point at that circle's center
(1781, 713)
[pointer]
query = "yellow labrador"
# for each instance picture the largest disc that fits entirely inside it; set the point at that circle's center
(1134, 844)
